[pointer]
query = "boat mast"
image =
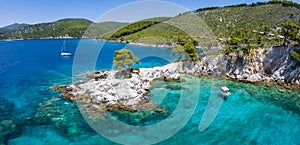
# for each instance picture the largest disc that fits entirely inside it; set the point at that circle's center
(63, 46)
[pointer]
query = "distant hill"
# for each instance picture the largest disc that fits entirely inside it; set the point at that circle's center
(149, 31)
(62, 28)
(15, 26)
(255, 17)
(133, 28)
(221, 23)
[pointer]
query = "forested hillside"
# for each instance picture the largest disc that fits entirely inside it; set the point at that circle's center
(62, 28)
(260, 21)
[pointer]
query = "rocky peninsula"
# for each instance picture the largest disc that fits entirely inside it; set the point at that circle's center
(105, 91)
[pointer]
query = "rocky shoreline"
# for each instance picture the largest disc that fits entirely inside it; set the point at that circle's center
(270, 65)
(105, 91)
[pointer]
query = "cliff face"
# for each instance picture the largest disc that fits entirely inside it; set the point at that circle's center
(270, 64)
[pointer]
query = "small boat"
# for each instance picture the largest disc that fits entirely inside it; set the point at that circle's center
(224, 93)
(63, 50)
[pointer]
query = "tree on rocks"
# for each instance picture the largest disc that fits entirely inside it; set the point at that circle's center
(190, 49)
(123, 60)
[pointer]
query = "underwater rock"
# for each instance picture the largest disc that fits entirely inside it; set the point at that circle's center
(66, 92)
(281, 90)
(120, 107)
(173, 87)
(62, 88)
(59, 115)
(8, 129)
(160, 109)
(68, 96)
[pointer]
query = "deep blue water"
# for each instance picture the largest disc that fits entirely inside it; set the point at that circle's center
(28, 68)
(31, 113)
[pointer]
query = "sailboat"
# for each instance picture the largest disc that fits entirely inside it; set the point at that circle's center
(63, 50)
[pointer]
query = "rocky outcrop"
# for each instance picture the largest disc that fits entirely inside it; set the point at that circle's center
(268, 65)
(66, 92)
(107, 89)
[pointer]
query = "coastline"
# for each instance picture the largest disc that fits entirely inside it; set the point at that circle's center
(152, 45)
(138, 44)
(236, 73)
(103, 91)
(61, 38)
(285, 73)
(269, 66)
(46, 38)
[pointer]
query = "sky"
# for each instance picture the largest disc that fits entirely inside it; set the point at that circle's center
(37, 11)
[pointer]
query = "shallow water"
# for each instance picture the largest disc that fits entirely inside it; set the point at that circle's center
(249, 116)
(33, 114)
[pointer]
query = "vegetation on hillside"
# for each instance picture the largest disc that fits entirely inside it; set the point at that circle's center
(262, 19)
(5, 33)
(97, 29)
(133, 28)
(296, 55)
(190, 50)
(64, 27)
(285, 3)
(15, 26)
(150, 31)
(186, 50)
(290, 31)
(247, 26)
(246, 42)
(76, 28)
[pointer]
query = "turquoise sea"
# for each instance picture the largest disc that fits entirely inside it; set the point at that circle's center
(33, 114)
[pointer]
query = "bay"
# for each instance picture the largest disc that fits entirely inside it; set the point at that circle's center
(31, 113)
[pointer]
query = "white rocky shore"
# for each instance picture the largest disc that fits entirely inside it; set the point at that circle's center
(267, 65)
(106, 89)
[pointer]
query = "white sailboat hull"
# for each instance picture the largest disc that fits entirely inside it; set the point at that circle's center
(65, 54)
(63, 51)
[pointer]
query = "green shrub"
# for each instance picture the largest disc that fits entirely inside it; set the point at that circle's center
(296, 55)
